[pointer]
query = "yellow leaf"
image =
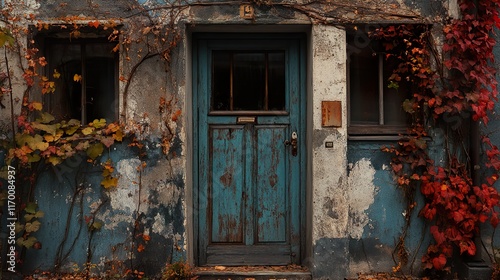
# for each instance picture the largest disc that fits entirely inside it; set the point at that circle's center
(77, 78)
(54, 160)
(118, 136)
(88, 130)
(37, 143)
(98, 123)
(56, 74)
(37, 106)
(32, 227)
(109, 182)
(52, 138)
(28, 243)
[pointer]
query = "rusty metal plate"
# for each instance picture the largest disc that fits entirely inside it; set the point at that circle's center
(331, 113)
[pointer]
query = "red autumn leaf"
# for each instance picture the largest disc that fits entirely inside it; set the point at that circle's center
(94, 24)
(458, 217)
(483, 218)
(438, 236)
(439, 262)
(494, 220)
(397, 167)
(140, 248)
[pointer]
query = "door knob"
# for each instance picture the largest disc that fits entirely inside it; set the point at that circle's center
(292, 142)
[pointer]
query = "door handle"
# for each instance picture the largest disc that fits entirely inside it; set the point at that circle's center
(293, 142)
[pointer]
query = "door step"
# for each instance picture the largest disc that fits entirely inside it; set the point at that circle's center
(253, 273)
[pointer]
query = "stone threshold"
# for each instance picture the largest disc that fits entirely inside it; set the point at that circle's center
(252, 273)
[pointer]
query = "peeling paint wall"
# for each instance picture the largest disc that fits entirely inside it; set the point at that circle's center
(355, 211)
(361, 195)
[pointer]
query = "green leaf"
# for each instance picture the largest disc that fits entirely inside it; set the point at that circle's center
(96, 225)
(33, 158)
(71, 130)
(74, 122)
(23, 138)
(6, 38)
(45, 118)
(32, 227)
(31, 208)
(408, 106)
(95, 150)
(393, 85)
(49, 128)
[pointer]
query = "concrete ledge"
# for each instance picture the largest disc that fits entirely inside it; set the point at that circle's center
(475, 270)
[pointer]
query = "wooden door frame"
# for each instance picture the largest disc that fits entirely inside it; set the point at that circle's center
(195, 133)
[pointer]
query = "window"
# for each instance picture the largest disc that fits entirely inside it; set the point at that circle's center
(87, 83)
(375, 108)
(248, 81)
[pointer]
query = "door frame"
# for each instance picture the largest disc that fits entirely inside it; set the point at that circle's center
(303, 117)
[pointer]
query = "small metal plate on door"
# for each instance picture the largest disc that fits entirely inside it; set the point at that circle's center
(243, 120)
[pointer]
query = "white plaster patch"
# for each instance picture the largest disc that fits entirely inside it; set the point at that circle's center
(160, 227)
(168, 194)
(124, 196)
(361, 194)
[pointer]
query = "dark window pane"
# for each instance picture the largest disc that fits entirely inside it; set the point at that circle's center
(239, 81)
(249, 81)
(364, 97)
(100, 82)
(276, 70)
(394, 98)
(65, 103)
(221, 81)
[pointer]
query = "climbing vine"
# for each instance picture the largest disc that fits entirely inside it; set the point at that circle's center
(41, 142)
(452, 88)
(451, 97)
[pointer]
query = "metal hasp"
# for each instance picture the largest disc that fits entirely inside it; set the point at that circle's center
(293, 143)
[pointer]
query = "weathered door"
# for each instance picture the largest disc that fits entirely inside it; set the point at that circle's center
(249, 148)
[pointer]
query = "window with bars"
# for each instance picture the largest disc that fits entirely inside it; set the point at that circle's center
(375, 108)
(86, 81)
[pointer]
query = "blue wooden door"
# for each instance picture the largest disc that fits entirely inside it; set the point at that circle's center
(249, 148)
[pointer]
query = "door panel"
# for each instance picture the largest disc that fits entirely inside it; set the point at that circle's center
(271, 192)
(248, 100)
(226, 156)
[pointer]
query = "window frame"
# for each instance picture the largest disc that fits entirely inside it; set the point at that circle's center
(380, 131)
(45, 38)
